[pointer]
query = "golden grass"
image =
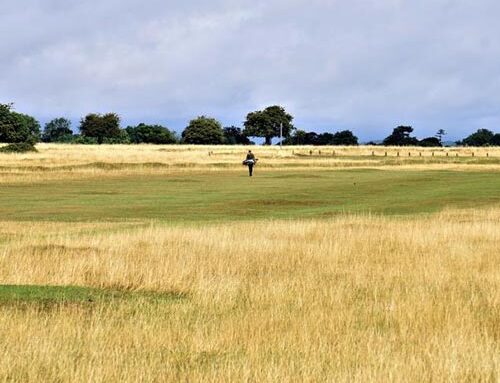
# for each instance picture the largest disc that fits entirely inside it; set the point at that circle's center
(349, 299)
(59, 161)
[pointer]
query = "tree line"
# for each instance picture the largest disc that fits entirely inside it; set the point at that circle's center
(23, 131)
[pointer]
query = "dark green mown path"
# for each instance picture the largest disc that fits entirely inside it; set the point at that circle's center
(234, 196)
(56, 295)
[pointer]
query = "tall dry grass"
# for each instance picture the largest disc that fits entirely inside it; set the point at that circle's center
(59, 161)
(350, 299)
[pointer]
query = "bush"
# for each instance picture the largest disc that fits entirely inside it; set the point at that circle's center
(19, 147)
(83, 140)
(121, 138)
(430, 142)
(150, 134)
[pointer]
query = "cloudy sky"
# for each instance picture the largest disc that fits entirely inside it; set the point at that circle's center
(365, 65)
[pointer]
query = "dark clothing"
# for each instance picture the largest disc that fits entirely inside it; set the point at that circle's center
(250, 162)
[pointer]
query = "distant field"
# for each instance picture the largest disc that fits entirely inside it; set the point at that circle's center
(66, 162)
(169, 263)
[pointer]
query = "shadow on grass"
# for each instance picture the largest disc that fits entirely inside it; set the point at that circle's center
(46, 297)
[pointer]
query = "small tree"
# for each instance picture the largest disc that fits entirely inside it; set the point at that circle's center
(58, 130)
(401, 137)
(439, 135)
(267, 123)
(234, 136)
(203, 131)
(16, 127)
(101, 127)
(150, 134)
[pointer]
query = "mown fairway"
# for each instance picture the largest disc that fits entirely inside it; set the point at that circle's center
(127, 264)
(233, 195)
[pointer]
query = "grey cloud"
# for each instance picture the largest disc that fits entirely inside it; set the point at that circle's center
(364, 65)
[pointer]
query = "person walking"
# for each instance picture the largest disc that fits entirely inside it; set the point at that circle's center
(250, 161)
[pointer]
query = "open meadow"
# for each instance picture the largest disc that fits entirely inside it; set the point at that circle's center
(168, 263)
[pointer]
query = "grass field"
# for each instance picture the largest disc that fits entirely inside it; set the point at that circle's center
(171, 264)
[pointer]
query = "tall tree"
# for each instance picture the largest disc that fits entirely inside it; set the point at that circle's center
(267, 123)
(101, 127)
(57, 130)
(439, 135)
(401, 137)
(203, 131)
(16, 127)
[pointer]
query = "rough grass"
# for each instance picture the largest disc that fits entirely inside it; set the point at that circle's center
(393, 277)
(354, 298)
(65, 162)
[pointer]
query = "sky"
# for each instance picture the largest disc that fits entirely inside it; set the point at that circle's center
(363, 65)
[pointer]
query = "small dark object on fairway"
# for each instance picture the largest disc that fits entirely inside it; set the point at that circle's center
(18, 147)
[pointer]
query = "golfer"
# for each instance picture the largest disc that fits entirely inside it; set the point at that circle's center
(250, 161)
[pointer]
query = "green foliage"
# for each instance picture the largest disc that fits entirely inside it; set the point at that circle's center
(430, 142)
(300, 137)
(495, 140)
(150, 134)
(16, 127)
(121, 138)
(482, 137)
(82, 140)
(234, 136)
(344, 137)
(203, 131)
(101, 127)
(401, 137)
(58, 130)
(18, 147)
(266, 123)
(439, 135)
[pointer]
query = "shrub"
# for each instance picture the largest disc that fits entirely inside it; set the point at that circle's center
(150, 134)
(19, 147)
